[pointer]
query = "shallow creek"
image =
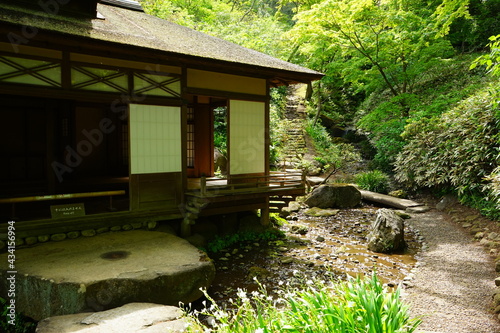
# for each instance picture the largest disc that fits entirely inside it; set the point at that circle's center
(314, 248)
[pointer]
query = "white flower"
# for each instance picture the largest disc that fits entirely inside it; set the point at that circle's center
(241, 294)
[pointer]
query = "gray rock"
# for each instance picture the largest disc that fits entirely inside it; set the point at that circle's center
(334, 196)
(73, 234)
(446, 202)
(293, 207)
(88, 273)
(299, 229)
(387, 232)
(284, 213)
(127, 227)
(31, 240)
(43, 238)
(102, 230)
(129, 318)
(320, 239)
(88, 233)
(136, 225)
(58, 237)
(494, 236)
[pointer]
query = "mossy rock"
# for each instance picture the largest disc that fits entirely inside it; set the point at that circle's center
(318, 212)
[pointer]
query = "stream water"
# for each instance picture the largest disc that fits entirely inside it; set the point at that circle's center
(314, 248)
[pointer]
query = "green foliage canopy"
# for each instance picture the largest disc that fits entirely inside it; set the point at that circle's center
(370, 44)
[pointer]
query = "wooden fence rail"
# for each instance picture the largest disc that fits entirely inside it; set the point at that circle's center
(274, 182)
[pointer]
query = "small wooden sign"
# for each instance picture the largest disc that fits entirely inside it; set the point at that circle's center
(69, 210)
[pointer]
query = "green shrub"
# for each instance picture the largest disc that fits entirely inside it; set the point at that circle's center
(457, 150)
(328, 153)
(353, 306)
(319, 135)
(375, 181)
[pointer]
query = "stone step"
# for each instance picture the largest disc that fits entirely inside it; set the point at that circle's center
(193, 210)
(129, 318)
(199, 203)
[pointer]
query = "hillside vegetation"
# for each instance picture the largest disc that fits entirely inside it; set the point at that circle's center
(404, 73)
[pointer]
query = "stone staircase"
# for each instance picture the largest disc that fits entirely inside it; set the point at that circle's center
(277, 203)
(295, 142)
(295, 116)
(192, 209)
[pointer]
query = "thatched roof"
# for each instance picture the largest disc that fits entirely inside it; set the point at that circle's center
(137, 29)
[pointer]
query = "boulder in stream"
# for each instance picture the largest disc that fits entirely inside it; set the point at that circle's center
(387, 232)
(334, 196)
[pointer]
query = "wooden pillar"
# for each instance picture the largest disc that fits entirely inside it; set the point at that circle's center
(264, 213)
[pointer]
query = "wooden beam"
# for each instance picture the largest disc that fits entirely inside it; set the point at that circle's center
(62, 196)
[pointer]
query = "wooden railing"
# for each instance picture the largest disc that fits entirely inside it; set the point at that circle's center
(274, 182)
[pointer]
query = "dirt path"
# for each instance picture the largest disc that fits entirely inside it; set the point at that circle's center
(452, 288)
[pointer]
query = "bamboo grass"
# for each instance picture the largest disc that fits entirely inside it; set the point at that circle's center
(353, 306)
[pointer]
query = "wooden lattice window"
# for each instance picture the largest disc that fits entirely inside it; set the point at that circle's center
(157, 85)
(99, 79)
(30, 71)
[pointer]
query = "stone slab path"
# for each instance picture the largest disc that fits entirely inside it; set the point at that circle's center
(453, 287)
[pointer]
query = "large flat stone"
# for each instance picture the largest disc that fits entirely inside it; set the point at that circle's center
(130, 318)
(107, 271)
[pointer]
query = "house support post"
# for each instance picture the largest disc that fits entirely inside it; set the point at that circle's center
(264, 214)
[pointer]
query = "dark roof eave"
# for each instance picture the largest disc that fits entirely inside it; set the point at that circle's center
(223, 66)
(81, 44)
(273, 74)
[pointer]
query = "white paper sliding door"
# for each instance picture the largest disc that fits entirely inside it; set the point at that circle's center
(155, 139)
(247, 137)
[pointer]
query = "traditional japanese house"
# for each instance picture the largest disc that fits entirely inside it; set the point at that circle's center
(107, 117)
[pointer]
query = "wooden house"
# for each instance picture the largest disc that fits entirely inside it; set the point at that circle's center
(107, 115)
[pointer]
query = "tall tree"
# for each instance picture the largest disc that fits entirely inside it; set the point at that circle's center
(381, 43)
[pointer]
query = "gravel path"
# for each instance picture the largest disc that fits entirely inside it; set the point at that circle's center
(454, 283)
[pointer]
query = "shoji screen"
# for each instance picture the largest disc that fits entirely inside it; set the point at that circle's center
(155, 139)
(246, 137)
